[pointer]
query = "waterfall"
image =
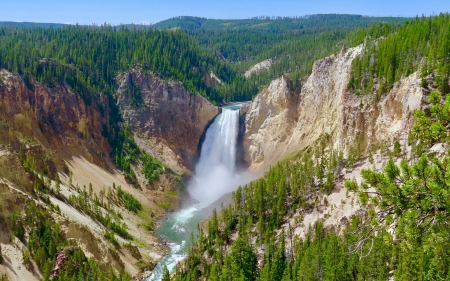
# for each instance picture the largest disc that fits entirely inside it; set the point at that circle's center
(215, 175)
(215, 172)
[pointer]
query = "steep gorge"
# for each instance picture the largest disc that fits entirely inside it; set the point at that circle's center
(49, 134)
(169, 121)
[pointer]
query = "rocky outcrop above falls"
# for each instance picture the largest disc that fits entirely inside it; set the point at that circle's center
(168, 121)
(269, 122)
(280, 122)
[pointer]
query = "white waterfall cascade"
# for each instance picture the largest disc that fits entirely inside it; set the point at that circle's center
(215, 175)
(215, 172)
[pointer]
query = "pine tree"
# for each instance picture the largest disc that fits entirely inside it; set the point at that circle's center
(166, 274)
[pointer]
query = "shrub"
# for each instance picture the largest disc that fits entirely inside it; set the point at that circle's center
(129, 201)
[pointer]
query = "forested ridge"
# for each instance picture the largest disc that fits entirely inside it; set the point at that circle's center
(292, 43)
(421, 44)
(311, 23)
(90, 58)
(403, 232)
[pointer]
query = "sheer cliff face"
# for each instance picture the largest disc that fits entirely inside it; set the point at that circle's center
(169, 121)
(57, 118)
(269, 122)
(280, 122)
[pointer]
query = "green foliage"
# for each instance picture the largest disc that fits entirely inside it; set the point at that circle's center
(128, 200)
(127, 152)
(88, 59)
(432, 129)
(242, 261)
(166, 274)
(411, 199)
(165, 205)
(149, 226)
(145, 265)
(93, 208)
(258, 211)
(17, 227)
(397, 152)
(275, 24)
(25, 257)
(417, 195)
(422, 44)
(152, 168)
(293, 44)
(109, 235)
(45, 241)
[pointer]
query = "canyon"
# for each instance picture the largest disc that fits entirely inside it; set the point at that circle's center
(70, 136)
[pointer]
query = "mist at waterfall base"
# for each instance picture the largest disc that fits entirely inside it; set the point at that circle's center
(215, 175)
(215, 172)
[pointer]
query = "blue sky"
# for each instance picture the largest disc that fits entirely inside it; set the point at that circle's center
(150, 11)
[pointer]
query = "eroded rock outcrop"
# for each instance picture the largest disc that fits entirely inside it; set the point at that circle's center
(59, 119)
(169, 121)
(269, 122)
(280, 122)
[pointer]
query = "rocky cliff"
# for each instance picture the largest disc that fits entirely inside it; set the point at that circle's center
(168, 120)
(54, 154)
(55, 117)
(269, 122)
(280, 122)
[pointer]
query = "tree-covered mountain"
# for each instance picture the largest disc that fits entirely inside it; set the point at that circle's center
(276, 24)
(30, 24)
(292, 43)
(102, 52)
(89, 58)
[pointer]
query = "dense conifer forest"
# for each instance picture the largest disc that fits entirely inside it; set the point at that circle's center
(423, 43)
(292, 43)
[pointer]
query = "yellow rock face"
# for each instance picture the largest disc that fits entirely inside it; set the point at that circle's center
(280, 122)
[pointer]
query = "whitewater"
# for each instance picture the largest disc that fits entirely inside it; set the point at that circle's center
(215, 175)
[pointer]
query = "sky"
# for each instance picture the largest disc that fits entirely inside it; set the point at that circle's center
(151, 11)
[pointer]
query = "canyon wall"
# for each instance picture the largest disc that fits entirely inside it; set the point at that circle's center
(50, 134)
(280, 122)
(169, 122)
(56, 117)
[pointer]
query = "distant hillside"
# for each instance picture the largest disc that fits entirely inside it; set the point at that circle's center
(276, 24)
(31, 24)
(293, 44)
